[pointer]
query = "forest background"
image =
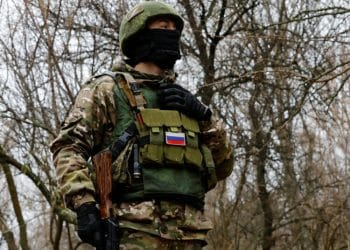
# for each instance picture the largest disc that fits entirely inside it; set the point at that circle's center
(277, 72)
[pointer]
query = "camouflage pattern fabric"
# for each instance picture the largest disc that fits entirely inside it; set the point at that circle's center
(169, 220)
(88, 129)
(134, 240)
(83, 133)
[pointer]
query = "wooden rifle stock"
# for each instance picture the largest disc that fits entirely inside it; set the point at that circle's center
(103, 167)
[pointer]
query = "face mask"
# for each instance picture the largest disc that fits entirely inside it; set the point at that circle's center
(160, 46)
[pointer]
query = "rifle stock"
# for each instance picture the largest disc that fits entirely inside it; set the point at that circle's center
(103, 167)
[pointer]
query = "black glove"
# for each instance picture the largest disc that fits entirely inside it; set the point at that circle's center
(89, 224)
(174, 97)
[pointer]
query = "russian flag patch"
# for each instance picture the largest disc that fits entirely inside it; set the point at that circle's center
(177, 139)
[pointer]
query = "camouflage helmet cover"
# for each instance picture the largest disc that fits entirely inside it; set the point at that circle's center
(138, 17)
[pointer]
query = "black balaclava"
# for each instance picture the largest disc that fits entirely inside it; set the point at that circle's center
(160, 46)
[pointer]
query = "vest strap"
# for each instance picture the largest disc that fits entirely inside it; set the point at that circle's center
(132, 91)
(130, 88)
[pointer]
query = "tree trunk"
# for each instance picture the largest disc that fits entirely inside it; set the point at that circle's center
(17, 208)
(7, 234)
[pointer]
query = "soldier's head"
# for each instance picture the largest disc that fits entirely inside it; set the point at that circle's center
(150, 32)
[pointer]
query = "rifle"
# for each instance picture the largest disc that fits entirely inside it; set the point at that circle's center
(102, 162)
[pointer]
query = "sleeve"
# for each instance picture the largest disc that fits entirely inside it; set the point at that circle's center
(215, 137)
(82, 130)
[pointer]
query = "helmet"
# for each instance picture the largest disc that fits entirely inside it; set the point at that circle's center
(140, 15)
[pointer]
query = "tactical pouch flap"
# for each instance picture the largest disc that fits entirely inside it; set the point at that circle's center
(159, 118)
(189, 124)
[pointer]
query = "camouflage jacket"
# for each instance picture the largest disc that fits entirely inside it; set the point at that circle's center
(88, 129)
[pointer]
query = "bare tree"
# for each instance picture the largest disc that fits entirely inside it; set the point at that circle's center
(286, 62)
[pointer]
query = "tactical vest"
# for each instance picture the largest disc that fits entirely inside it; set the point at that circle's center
(174, 164)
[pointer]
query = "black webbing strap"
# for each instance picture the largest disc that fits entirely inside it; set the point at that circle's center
(118, 146)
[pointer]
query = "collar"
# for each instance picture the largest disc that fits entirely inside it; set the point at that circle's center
(167, 76)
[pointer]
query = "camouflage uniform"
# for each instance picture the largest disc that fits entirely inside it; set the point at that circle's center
(90, 127)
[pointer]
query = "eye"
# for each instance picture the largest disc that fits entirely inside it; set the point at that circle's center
(162, 24)
(168, 24)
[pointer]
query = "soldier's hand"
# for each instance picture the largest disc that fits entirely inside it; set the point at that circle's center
(89, 224)
(175, 97)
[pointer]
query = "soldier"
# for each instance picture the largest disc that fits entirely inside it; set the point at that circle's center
(179, 148)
